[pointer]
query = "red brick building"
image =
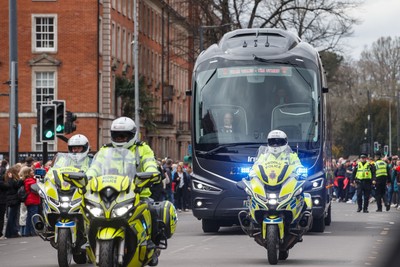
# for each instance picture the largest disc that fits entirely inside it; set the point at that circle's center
(74, 50)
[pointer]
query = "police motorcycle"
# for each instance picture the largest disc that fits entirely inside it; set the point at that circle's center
(61, 221)
(119, 221)
(278, 212)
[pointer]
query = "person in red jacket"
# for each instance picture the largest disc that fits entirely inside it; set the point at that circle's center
(32, 201)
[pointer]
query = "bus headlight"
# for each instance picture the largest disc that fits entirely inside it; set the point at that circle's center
(200, 186)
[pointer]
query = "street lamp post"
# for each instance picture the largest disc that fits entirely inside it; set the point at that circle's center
(390, 127)
(389, 120)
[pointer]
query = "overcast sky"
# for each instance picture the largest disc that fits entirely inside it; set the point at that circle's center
(379, 18)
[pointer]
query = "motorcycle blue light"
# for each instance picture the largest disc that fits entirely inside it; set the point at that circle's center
(245, 169)
(303, 171)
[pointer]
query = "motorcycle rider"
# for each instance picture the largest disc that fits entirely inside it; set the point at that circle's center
(278, 150)
(124, 134)
(78, 149)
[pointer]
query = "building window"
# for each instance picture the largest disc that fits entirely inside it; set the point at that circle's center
(44, 87)
(124, 46)
(44, 33)
(100, 35)
(119, 42)
(113, 40)
(129, 50)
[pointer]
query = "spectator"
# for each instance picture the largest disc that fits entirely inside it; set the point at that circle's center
(29, 161)
(32, 201)
(13, 182)
(181, 188)
(340, 173)
(3, 196)
(168, 186)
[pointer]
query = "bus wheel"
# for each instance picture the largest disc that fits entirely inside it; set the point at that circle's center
(210, 226)
(318, 225)
(328, 218)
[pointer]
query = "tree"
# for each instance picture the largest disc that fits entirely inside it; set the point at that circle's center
(380, 65)
(352, 134)
(125, 91)
(322, 23)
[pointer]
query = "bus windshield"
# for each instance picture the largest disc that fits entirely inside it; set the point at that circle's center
(240, 102)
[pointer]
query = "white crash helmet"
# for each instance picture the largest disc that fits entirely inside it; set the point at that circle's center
(277, 141)
(123, 126)
(78, 140)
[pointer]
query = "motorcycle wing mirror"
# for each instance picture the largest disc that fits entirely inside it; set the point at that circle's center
(35, 188)
(78, 179)
(241, 185)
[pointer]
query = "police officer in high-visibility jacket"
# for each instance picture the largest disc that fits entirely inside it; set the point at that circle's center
(382, 174)
(363, 174)
(124, 134)
(277, 150)
(78, 154)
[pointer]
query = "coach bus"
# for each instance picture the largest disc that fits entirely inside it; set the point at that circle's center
(265, 79)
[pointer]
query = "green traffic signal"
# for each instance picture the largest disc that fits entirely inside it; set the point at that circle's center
(47, 122)
(49, 134)
(60, 115)
(60, 128)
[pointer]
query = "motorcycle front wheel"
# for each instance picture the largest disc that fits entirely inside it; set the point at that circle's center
(64, 251)
(108, 256)
(272, 244)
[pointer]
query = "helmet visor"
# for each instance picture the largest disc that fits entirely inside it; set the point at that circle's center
(275, 142)
(117, 136)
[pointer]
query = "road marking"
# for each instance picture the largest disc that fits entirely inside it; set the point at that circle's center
(208, 239)
(181, 249)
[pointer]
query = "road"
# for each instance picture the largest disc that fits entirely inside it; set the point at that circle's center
(353, 239)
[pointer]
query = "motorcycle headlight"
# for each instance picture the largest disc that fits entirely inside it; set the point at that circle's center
(65, 199)
(64, 205)
(272, 201)
(121, 211)
(95, 211)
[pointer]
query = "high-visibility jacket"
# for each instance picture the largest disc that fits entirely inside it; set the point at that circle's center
(145, 162)
(290, 158)
(363, 171)
(381, 168)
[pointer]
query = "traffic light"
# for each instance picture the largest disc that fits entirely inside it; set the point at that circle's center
(60, 115)
(48, 122)
(376, 146)
(70, 125)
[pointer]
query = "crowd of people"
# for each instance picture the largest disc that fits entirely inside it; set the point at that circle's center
(366, 180)
(18, 213)
(176, 183)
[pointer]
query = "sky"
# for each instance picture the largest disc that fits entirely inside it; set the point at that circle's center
(379, 18)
